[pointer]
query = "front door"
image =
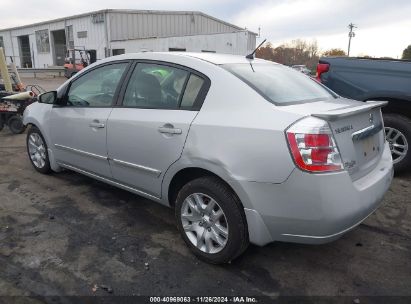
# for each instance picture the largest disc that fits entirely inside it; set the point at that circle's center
(79, 128)
(147, 133)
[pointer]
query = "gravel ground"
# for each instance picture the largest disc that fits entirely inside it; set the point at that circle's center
(66, 234)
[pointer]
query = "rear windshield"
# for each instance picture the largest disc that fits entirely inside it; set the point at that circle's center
(279, 84)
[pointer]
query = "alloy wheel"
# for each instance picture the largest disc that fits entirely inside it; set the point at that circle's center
(204, 223)
(37, 150)
(398, 144)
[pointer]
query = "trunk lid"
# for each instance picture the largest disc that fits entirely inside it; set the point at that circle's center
(357, 128)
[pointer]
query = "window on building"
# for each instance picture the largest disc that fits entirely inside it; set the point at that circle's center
(82, 34)
(205, 51)
(118, 52)
(97, 18)
(176, 50)
(70, 36)
(43, 41)
(1, 42)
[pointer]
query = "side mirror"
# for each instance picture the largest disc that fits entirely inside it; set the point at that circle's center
(48, 97)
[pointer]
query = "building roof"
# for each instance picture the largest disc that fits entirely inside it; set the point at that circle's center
(128, 11)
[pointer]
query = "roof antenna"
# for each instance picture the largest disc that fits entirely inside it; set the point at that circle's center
(251, 56)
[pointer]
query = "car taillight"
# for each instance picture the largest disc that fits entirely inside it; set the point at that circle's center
(321, 68)
(313, 147)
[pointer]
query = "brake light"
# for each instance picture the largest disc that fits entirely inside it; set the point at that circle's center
(313, 147)
(321, 68)
(313, 140)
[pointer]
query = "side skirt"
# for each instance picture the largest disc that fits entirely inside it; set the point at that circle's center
(111, 182)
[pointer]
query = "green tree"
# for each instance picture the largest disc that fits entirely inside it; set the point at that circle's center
(406, 54)
(334, 52)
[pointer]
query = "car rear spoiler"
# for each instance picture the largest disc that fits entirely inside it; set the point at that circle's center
(350, 110)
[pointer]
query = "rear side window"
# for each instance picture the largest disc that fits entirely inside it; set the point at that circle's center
(279, 84)
(160, 86)
(193, 87)
(155, 86)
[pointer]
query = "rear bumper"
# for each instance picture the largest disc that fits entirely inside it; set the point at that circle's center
(314, 208)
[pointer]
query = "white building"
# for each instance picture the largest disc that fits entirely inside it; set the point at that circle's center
(113, 32)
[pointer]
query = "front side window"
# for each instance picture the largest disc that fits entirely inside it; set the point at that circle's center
(155, 86)
(97, 87)
(279, 84)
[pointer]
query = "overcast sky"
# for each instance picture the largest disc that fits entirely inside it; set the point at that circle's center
(384, 26)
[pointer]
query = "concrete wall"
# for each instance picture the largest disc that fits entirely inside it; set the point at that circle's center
(229, 43)
(96, 39)
(96, 34)
(12, 44)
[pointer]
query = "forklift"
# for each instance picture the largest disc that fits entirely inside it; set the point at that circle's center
(77, 59)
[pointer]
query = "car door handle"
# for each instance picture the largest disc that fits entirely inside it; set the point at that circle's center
(95, 124)
(169, 130)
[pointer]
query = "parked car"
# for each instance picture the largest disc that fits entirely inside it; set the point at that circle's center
(301, 68)
(243, 150)
(376, 79)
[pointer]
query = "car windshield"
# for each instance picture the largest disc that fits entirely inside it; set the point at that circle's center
(279, 84)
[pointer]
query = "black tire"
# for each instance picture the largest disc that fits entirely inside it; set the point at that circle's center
(46, 168)
(15, 124)
(237, 240)
(402, 124)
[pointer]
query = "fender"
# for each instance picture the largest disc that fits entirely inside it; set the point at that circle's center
(257, 230)
(205, 164)
(37, 114)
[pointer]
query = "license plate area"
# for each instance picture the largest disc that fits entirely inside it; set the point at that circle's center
(369, 147)
(367, 142)
(360, 139)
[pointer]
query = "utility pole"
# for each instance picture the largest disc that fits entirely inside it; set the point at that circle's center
(351, 34)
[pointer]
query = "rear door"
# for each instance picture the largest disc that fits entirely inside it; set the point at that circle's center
(78, 128)
(147, 132)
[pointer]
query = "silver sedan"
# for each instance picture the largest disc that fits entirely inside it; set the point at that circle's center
(244, 150)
